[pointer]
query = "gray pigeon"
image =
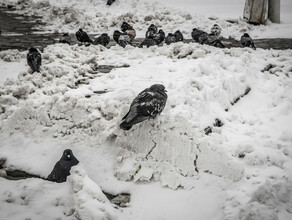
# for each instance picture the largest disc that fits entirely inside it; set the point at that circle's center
(196, 33)
(178, 36)
(82, 36)
(159, 37)
(103, 40)
(63, 166)
(216, 30)
(122, 39)
(246, 41)
(65, 39)
(170, 38)
(152, 30)
(34, 59)
(148, 104)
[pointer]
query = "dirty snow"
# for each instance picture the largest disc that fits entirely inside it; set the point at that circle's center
(171, 168)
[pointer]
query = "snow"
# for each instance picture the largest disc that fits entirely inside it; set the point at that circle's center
(171, 168)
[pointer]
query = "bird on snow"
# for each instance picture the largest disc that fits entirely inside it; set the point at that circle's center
(148, 42)
(203, 38)
(82, 36)
(122, 39)
(62, 167)
(34, 59)
(159, 37)
(103, 39)
(152, 30)
(170, 38)
(129, 30)
(148, 104)
(246, 41)
(196, 33)
(178, 36)
(216, 30)
(213, 40)
(65, 39)
(110, 2)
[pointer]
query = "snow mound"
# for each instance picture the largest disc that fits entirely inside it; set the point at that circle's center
(90, 202)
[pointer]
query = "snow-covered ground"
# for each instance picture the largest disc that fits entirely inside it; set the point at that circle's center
(172, 170)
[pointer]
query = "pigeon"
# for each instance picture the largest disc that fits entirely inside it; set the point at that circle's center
(218, 44)
(246, 41)
(82, 36)
(214, 41)
(159, 37)
(110, 2)
(129, 30)
(103, 39)
(196, 33)
(178, 36)
(152, 30)
(216, 30)
(62, 167)
(170, 38)
(148, 42)
(65, 39)
(121, 38)
(203, 38)
(34, 59)
(148, 104)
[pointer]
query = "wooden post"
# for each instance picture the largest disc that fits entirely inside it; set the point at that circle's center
(274, 11)
(255, 11)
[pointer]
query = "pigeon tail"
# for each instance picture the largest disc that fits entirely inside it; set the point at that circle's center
(125, 126)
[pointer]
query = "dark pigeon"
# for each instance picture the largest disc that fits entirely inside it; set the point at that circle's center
(170, 38)
(63, 166)
(246, 41)
(203, 38)
(214, 41)
(196, 33)
(216, 30)
(152, 30)
(126, 28)
(121, 38)
(34, 59)
(148, 42)
(82, 36)
(159, 37)
(218, 44)
(178, 36)
(103, 39)
(65, 39)
(110, 2)
(148, 104)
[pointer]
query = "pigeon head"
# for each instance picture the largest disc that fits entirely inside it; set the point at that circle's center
(32, 49)
(80, 30)
(116, 35)
(215, 25)
(104, 34)
(125, 26)
(152, 27)
(157, 88)
(245, 35)
(68, 154)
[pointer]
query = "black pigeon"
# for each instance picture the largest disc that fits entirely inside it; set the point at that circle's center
(129, 30)
(216, 30)
(62, 167)
(246, 41)
(203, 38)
(82, 36)
(110, 2)
(170, 38)
(178, 36)
(121, 38)
(34, 59)
(103, 39)
(196, 33)
(152, 30)
(65, 39)
(159, 37)
(148, 42)
(148, 104)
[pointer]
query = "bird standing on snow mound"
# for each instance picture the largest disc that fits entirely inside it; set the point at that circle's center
(103, 39)
(34, 59)
(170, 38)
(246, 41)
(178, 36)
(151, 31)
(148, 104)
(159, 37)
(82, 36)
(65, 39)
(63, 166)
(129, 30)
(216, 30)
